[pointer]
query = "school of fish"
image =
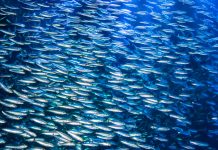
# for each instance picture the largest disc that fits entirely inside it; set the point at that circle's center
(108, 74)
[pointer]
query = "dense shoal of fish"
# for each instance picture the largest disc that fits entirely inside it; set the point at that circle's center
(108, 74)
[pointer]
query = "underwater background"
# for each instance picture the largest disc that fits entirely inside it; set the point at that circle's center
(109, 74)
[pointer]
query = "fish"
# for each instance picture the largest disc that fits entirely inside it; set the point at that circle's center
(119, 74)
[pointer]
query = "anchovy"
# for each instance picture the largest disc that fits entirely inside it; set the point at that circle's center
(98, 74)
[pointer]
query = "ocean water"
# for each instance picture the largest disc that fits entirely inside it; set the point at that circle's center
(108, 74)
